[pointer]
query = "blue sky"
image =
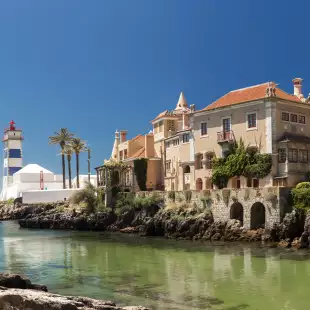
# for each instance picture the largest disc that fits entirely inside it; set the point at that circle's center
(100, 65)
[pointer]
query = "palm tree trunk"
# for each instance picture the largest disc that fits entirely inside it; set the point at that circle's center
(77, 170)
(69, 170)
(63, 170)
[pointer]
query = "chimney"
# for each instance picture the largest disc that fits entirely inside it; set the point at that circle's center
(185, 121)
(123, 134)
(298, 87)
(149, 146)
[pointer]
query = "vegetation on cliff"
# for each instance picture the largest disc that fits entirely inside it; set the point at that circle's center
(301, 195)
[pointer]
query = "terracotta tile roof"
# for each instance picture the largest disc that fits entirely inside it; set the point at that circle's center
(135, 138)
(249, 94)
(139, 154)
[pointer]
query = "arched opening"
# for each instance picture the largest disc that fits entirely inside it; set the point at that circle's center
(236, 212)
(258, 215)
(209, 184)
(198, 184)
(187, 169)
(209, 158)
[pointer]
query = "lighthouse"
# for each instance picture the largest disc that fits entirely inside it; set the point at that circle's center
(12, 156)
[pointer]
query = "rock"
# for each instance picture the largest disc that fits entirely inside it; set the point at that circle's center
(17, 281)
(130, 230)
(17, 299)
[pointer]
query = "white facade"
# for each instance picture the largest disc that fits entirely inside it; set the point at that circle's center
(84, 180)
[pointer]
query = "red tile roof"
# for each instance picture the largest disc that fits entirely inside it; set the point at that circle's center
(249, 94)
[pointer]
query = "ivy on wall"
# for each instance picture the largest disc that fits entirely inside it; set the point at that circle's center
(240, 161)
(140, 169)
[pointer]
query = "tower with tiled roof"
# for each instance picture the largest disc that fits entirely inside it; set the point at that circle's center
(12, 158)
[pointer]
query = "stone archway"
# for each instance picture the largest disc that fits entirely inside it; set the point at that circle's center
(236, 212)
(258, 215)
(199, 184)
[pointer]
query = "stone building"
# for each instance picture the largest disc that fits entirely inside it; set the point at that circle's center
(264, 116)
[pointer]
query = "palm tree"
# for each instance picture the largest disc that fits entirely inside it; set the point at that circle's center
(78, 146)
(62, 138)
(68, 151)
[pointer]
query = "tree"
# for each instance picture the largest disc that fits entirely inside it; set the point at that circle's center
(68, 152)
(140, 169)
(62, 138)
(78, 146)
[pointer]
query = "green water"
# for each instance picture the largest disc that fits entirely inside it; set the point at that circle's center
(158, 273)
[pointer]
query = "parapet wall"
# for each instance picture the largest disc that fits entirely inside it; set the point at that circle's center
(255, 207)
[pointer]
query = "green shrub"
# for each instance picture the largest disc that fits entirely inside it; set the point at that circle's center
(188, 195)
(206, 201)
(87, 195)
(10, 201)
(303, 185)
(301, 196)
(171, 195)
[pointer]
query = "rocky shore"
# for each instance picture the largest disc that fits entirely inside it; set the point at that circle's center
(18, 293)
(178, 223)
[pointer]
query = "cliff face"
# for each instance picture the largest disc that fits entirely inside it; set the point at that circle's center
(180, 223)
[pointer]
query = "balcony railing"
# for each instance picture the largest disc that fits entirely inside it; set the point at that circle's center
(225, 136)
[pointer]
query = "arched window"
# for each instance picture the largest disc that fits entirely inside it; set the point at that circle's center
(198, 184)
(209, 184)
(187, 169)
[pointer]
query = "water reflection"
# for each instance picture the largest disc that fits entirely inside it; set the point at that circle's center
(156, 272)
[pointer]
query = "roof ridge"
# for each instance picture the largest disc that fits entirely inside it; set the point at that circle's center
(252, 86)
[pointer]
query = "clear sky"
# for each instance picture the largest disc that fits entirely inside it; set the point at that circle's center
(95, 66)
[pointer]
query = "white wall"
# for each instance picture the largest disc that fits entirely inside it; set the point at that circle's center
(15, 189)
(33, 177)
(47, 196)
(84, 180)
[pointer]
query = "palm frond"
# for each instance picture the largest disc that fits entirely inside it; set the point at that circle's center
(78, 145)
(63, 137)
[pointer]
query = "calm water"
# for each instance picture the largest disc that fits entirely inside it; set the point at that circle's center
(159, 273)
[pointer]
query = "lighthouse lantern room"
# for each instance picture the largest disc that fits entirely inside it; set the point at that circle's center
(12, 157)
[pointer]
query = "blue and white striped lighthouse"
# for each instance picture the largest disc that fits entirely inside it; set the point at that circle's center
(12, 157)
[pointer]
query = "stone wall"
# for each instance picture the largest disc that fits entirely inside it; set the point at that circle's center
(255, 207)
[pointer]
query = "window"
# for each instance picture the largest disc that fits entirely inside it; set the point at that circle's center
(168, 165)
(294, 118)
(209, 161)
(292, 155)
(168, 144)
(255, 182)
(303, 156)
(251, 120)
(185, 138)
(285, 116)
(176, 142)
(203, 129)
(301, 119)
(226, 124)
(198, 163)
(125, 154)
(171, 125)
(282, 155)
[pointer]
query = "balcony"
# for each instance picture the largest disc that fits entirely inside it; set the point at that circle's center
(225, 136)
